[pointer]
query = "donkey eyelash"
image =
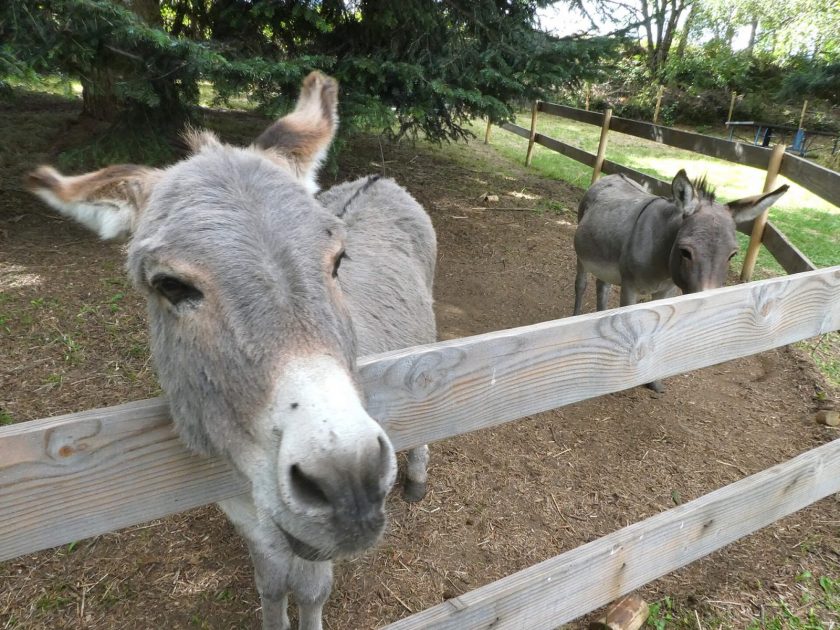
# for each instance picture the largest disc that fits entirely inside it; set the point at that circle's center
(342, 255)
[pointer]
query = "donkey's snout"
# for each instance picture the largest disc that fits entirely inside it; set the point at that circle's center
(350, 486)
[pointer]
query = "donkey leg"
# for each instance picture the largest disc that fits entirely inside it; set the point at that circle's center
(415, 484)
(311, 584)
(657, 385)
(580, 286)
(272, 586)
(602, 294)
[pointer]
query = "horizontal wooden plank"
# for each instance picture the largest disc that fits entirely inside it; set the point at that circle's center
(565, 587)
(654, 185)
(519, 131)
(786, 253)
(737, 152)
(728, 150)
(79, 475)
(572, 113)
(433, 392)
(568, 150)
(819, 180)
(74, 476)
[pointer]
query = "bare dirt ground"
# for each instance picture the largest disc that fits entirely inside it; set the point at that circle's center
(72, 337)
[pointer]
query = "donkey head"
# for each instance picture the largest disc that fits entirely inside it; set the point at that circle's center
(706, 242)
(249, 330)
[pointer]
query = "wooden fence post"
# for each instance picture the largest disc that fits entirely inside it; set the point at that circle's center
(731, 106)
(802, 116)
(587, 91)
(533, 135)
(602, 147)
(773, 167)
(658, 103)
(487, 132)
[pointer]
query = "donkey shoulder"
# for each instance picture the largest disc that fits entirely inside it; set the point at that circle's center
(384, 216)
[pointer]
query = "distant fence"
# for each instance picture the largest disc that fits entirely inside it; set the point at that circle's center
(70, 477)
(815, 178)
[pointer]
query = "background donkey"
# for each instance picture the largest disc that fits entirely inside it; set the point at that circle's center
(260, 299)
(652, 245)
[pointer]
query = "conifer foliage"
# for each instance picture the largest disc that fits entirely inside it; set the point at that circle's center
(414, 66)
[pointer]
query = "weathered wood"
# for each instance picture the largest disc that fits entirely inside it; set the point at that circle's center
(572, 113)
(653, 184)
(83, 474)
(435, 392)
(628, 613)
(698, 143)
(567, 586)
(487, 132)
(818, 179)
(66, 478)
(519, 131)
(731, 106)
(802, 115)
(760, 221)
(737, 152)
(579, 155)
(528, 154)
(602, 146)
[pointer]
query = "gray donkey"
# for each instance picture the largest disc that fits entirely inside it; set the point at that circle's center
(260, 299)
(652, 245)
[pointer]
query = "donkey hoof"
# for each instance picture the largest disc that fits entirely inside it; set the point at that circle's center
(414, 491)
(656, 386)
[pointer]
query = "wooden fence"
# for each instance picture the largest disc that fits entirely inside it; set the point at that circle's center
(84, 474)
(819, 180)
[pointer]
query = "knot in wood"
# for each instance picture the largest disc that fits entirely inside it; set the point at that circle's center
(62, 443)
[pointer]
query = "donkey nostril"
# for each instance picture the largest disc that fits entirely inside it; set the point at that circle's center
(306, 488)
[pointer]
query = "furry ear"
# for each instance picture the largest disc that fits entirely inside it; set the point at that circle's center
(684, 194)
(746, 209)
(108, 201)
(304, 136)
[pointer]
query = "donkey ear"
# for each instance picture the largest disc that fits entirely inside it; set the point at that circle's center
(108, 201)
(684, 194)
(303, 136)
(746, 209)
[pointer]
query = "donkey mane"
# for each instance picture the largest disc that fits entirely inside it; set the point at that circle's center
(704, 189)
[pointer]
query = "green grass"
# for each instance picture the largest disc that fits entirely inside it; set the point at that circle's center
(813, 605)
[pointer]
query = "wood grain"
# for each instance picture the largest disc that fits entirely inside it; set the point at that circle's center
(567, 586)
(79, 475)
(433, 392)
(818, 179)
(83, 474)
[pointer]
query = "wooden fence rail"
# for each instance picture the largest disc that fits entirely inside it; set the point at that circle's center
(79, 475)
(558, 590)
(818, 179)
(791, 259)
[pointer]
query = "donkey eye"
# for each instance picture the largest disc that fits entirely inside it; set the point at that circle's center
(732, 255)
(175, 290)
(685, 253)
(341, 256)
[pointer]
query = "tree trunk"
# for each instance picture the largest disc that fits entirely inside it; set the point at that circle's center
(146, 10)
(686, 30)
(753, 32)
(98, 99)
